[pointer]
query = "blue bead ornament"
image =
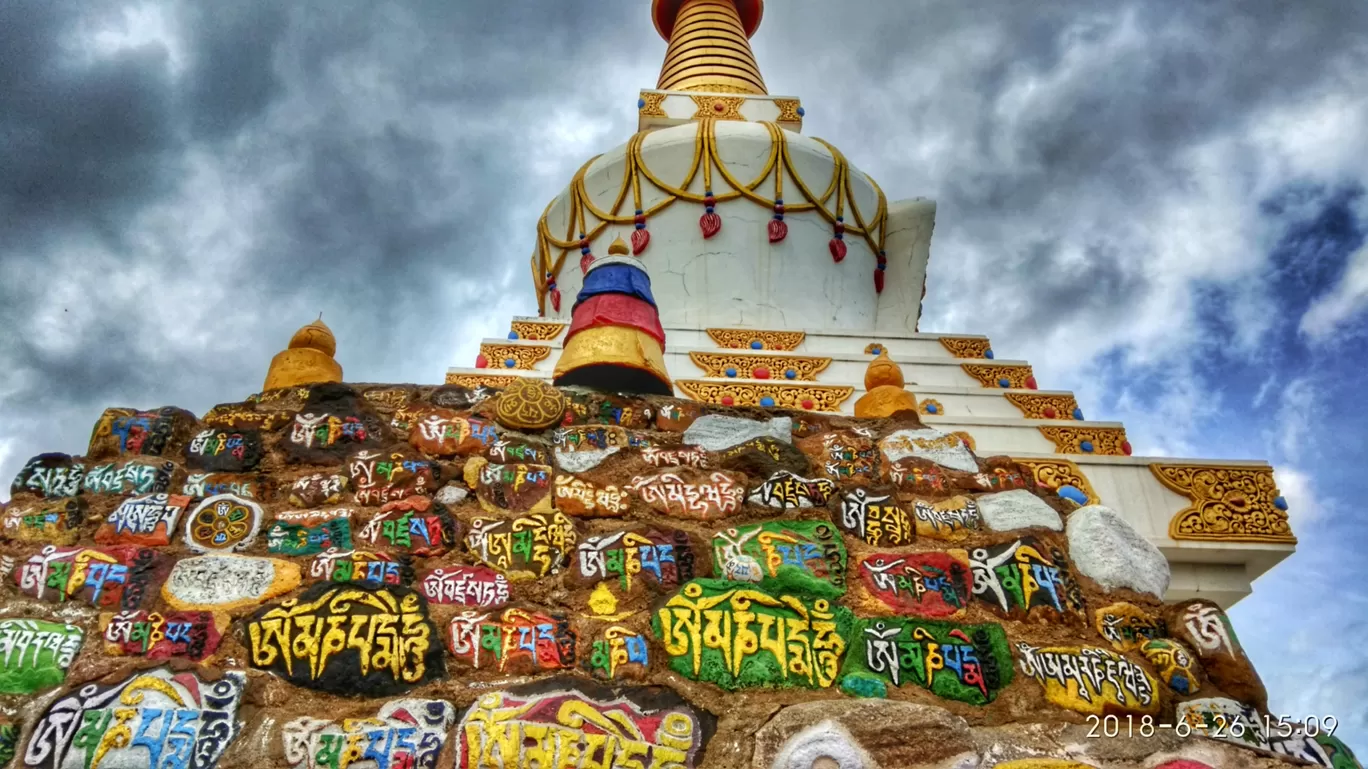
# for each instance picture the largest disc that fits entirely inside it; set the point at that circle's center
(988, 353)
(1078, 414)
(767, 402)
(756, 344)
(510, 362)
(1004, 382)
(1280, 503)
(931, 409)
(513, 335)
(801, 112)
(731, 372)
(1072, 493)
(1086, 446)
(641, 103)
(790, 374)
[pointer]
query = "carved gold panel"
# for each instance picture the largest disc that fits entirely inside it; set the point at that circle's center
(475, 380)
(989, 375)
(1229, 504)
(1036, 405)
(525, 356)
(1108, 441)
(786, 396)
(537, 330)
(1053, 473)
(966, 347)
(716, 364)
(741, 338)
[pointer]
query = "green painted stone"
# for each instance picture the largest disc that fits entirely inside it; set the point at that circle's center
(9, 739)
(741, 636)
(35, 655)
(297, 539)
(1341, 757)
(783, 557)
(864, 685)
(969, 663)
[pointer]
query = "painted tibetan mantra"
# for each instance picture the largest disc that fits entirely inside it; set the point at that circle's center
(1016, 578)
(464, 586)
(223, 523)
(222, 582)
(51, 523)
(158, 636)
(35, 655)
(348, 640)
(119, 576)
(739, 637)
(935, 584)
(415, 525)
(404, 734)
(875, 518)
(310, 537)
(1089, 679)
(969, 663)
(148, 520)
(618, 652)
(783, 556)
(663, 558)
(785, 490)
(152, 719)
(691, 493)
(523, 548)
(360, 567)
(518, 640)
(129, 477)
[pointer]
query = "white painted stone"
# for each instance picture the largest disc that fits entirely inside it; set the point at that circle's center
(929, 443)
(227, 580)
(1104, 547)
(827, 739)
(587, 459)
(1017, 509)
(716, 432)
(213, 508)
(451, 494)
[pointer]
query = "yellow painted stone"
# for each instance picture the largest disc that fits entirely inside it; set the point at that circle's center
(530, 405)
(601, 601)
(222, 582)
(307, 360)
(1126, 626)
(884, 394)
(1090, 679)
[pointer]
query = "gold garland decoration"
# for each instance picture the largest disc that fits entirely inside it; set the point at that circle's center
(786, 396)
(1033, 405)
(1106, 441)
(1053, 473)
(1229, 504)
(741, 338)
(716, 364)
(481, 380)
(525, 356)
(537, 330)
(988, 374)
(706, 158)
(966, 346)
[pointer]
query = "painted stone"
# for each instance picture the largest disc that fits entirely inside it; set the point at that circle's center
(783, 557)
(193, 635)
(662, 558)
(348, 639)
(1127, 627)
(518, 450)
(584, 460)
(617, 653)
(444, 433)
(566, 727)
(517, 640)
(404, 734)
(913, 475)
(679, 456)
(359, 567)
(933, 584)
(763, 457)
(1177, 667)
(1045, 763)
(875, 518)
(950, 519)
(145, 520)
(785, 490)
(478, 586)
(226, 451)
(510, 488)
(317, 490)
(604, 409)
(119, 576)
(676, 417)
(1224, 719)
(53, 523)
(968, 663)
(154, 718)
(715, 432)
(584, 499)
(1089, 679)
(35, 655)
(204, 485)
(1203, 627)
(1018, 579)
(1017, 509)
(452, 494)
(530, 405)
(378, 477)
(455, 397)
(574, 439)
(9, 741)
(50, 476)
(326, 437)
(222, 582)
(741, 637)
(927, 443)
(1338, 755)
(523, 548)
(694, 494)
(222, 523)
(1106, 548)
(131, 476)
(148, 433)
(415, 525)
(244, 416)
(842, 456)
(311, 538)
(865, 734)
(388, 400)
(1001, 474)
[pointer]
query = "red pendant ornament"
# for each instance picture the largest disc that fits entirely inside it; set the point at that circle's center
(710, 223)
(555, 299)
(838, 249)
(878, 281)
(481, 361)
(1030, 383)
(1126, 447)
(778, 230)
(640, 240)
(585, 261)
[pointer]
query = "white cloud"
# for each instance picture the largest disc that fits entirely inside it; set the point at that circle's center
(1297, 487)
(1342, 304)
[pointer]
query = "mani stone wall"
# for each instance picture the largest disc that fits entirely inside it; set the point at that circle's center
(401, 577)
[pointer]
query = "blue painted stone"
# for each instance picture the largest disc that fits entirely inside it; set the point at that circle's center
(931, 409)
(988, 353)
(1280, 503)
(790, 374)
(1073, 494)
(767, 402)
(731, 372)
(864, 685)
(641, 103)
(509, 363)
(1078, 414)
(513, 335)
(756, 344)
(1004, 382)
(1086, 446)
(875, 349)
(801, 112)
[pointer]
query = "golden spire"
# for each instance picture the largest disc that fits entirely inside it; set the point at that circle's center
(307, 360)
(709, 45)
(618, 248)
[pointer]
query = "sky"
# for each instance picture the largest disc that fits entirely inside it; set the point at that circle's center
(1162, 205)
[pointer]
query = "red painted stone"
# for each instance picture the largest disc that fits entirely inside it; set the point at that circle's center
(760, 373)
(919, 584)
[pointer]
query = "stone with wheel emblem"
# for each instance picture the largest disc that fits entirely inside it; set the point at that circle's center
(222, 523)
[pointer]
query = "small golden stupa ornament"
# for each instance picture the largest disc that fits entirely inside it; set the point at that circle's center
(884, 393)
(307, 360)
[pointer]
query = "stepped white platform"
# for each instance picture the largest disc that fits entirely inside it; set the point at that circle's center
(961, 389)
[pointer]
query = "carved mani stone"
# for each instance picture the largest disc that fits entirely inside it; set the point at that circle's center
(1203, 627)
(225, 450)
(404, 733)
(864, 734)
(49, 476)
(36, 654)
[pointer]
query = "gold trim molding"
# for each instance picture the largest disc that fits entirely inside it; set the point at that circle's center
(651, 106)
(525, 356)
(966, 347)
(1053, 473)
(708, 107)
(988, 374)
(716, 364)
(1033, 405)
(1229, 504)
(537, 330)
(1106, 441)
(786, 396)
(741, 338)
(478, 380)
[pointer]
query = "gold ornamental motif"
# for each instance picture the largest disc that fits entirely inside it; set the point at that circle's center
(524, 356)
(1229, 504)
(651, 101)
(718, 107)
(966, 346)
(741, 339)
(966, 439)
(1035, 405)
(481, 380)
(1106, 441)
(931, 407)
(788, 111)
(536, 330)
(716, 364)
(786, 396)
(1053, 473)
(530, 405)
(990, 375)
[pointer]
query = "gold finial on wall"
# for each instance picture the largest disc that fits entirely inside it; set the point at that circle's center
(709, 45)
(884, 394)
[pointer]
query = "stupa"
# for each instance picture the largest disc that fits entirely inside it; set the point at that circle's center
(780, 272)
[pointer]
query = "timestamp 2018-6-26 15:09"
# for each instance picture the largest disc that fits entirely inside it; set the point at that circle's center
(1216, 727)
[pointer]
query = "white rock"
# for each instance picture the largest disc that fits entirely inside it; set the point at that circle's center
(451, 494)
(1017, 509)
(942, 448)
(827, 739)
(1105, 547)
(715, 432)
(586, 459)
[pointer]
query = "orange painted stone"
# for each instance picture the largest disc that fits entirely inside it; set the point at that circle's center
(148, 520)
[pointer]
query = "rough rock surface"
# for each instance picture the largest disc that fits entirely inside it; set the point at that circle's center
(716, 433)
(1111, 552)
(1017, 509)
